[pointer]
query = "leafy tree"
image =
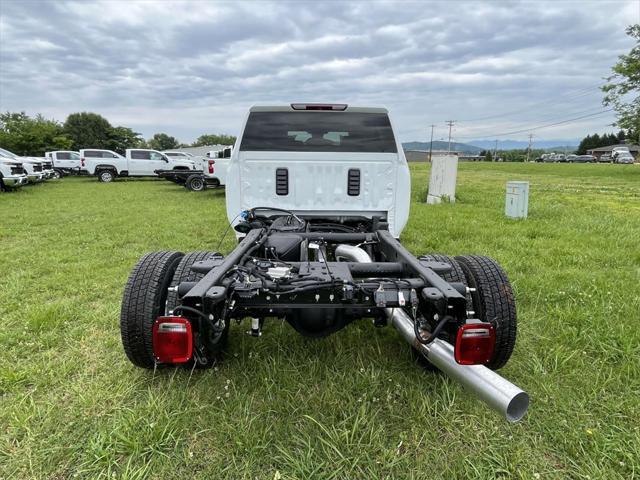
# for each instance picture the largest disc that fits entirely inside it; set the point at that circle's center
(121, 138)
(488, 157)
(28, 136)
(88, 130)
(162, 141)
(622, 91)
(214, 139)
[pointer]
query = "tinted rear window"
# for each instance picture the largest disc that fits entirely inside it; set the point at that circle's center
(318, 132)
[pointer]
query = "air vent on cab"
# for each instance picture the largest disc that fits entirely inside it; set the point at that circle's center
(353, 185)
(282, 181)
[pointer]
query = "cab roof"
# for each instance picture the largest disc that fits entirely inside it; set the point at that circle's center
(317, 107)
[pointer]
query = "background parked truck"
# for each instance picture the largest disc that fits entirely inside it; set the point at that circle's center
(107, 164)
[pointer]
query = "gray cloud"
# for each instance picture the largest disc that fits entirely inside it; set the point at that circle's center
(193, 67)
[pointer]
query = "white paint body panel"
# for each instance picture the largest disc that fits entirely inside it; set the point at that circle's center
(318, 184)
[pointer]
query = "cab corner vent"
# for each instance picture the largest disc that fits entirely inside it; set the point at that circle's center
(282, 181)
(353, 185)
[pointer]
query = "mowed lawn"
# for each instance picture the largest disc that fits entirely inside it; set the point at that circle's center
(353, 405)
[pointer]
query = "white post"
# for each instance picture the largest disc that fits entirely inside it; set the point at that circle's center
(442, 183)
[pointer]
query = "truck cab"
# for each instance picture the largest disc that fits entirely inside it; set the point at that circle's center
(65, 162)
(327, 163)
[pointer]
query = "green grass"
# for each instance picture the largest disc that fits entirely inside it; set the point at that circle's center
(353, 405)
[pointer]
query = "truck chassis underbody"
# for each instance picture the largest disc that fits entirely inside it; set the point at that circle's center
(319, 275)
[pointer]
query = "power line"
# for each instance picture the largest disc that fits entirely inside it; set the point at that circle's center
(526, 125)
(573, 95)
(505, 134)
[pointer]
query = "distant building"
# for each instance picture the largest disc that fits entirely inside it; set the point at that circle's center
(423, 155)
(598, 152)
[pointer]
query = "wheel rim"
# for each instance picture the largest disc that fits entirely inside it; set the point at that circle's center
(106, 177)
(56, 174)
(197, 184)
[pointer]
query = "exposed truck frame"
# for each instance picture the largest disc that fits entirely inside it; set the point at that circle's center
(319, 275)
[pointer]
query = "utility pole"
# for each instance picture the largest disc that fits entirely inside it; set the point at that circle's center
(431, 143)
(450, 123)
(495, 152)
(529, 147)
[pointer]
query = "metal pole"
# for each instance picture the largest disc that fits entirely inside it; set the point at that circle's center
(431, 143)
(450, 123)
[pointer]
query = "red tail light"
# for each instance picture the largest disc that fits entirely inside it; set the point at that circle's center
(475, 344)
(82, 162)
(172, 340)
(211, 162)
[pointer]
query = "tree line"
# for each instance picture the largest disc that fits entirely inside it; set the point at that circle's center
(32, 136)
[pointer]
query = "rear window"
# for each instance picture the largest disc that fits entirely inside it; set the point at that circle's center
(318, 132)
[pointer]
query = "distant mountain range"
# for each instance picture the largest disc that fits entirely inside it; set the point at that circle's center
(476, 146)
(440, 145)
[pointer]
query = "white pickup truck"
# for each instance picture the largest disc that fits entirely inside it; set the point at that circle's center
(319, 194)
(12, 174)
(33, 168)
(211, 169)
(65, 162)
(137, 162)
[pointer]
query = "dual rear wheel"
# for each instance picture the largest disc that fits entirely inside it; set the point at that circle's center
(147, 296)
(492, 301)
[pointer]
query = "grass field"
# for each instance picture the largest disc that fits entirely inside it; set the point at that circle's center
(353, 405)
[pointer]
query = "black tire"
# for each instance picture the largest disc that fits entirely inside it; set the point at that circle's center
(57, 174)
(208, 352)
(143, 301)
(195, 183)
(493, 302)
(456, 274)
(106, 176)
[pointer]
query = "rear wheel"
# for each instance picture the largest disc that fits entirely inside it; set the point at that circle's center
(210, 344)
(455, 275)
(195, 183)
(143, 301)
(493, 302)
(106, 176)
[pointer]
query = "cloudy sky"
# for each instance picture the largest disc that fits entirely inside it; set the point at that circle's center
(187, 68)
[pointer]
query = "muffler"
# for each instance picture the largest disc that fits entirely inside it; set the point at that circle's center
(497, 392)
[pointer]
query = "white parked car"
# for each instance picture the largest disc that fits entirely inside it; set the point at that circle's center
(32, 167)
(65, 162)
(624, 157)
(12, 174)
(137, 162)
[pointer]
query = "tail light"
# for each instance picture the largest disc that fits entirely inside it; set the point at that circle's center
(211, 163)
(82, 162)
(172, 340)
(475, 344)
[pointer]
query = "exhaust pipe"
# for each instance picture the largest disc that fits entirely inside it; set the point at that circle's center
(498, 393)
